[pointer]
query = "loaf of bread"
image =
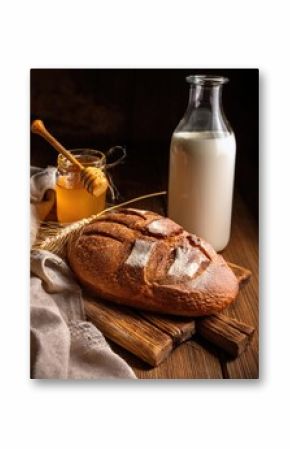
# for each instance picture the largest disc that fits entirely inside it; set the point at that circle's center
(141, 259)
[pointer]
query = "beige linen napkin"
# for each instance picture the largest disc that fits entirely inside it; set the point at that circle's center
(42, 196)
(63, 344)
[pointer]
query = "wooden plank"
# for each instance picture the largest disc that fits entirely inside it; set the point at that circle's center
(179, 329)
(190, 360)
(231, 335)
(130, 331)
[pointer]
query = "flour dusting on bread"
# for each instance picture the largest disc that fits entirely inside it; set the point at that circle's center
(140, 253)
(163, 227)
(186, 263)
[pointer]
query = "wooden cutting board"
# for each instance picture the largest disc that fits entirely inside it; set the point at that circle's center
(153, 337)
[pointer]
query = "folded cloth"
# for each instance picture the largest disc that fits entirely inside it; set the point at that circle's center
(42, 196)
(41, 180)
(63, 345)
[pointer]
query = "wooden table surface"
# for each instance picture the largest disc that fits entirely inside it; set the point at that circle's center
(196, 359)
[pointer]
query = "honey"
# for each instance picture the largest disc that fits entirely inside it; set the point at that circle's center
(73, 201)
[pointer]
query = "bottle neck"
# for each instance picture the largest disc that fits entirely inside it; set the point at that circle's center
(204, 111)
(209, 97)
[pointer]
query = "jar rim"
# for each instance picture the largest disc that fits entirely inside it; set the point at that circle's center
(210, 80)
(95, 158)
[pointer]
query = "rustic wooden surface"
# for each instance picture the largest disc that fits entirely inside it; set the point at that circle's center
(196, 358)
(227, 333)
(180, 329)
(152, 337)
(128, 329)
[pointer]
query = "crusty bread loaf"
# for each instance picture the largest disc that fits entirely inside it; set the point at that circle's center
(144, 260)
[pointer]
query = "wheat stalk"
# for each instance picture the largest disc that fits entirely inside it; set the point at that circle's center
(51, 237)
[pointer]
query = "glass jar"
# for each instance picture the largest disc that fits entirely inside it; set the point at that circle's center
(202, 164)
(73, 201)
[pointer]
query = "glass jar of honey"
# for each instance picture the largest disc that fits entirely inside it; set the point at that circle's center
(73, 201)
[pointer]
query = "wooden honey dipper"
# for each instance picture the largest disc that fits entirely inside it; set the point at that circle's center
(93, 178)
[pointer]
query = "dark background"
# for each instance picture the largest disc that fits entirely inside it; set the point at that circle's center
(140, 108)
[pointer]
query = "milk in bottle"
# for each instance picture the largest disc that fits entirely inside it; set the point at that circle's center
(202, 165)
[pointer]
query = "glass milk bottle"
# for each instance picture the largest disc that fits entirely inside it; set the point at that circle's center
(202, 164)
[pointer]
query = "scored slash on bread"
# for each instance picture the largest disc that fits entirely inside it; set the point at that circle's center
(143, 260)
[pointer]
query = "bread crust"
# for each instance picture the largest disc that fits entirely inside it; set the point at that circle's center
(143, 260)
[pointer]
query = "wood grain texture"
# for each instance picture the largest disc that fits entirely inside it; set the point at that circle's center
(190, 360)
(130, 331)
(179, 329)
(243, 250)
(229, 334)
